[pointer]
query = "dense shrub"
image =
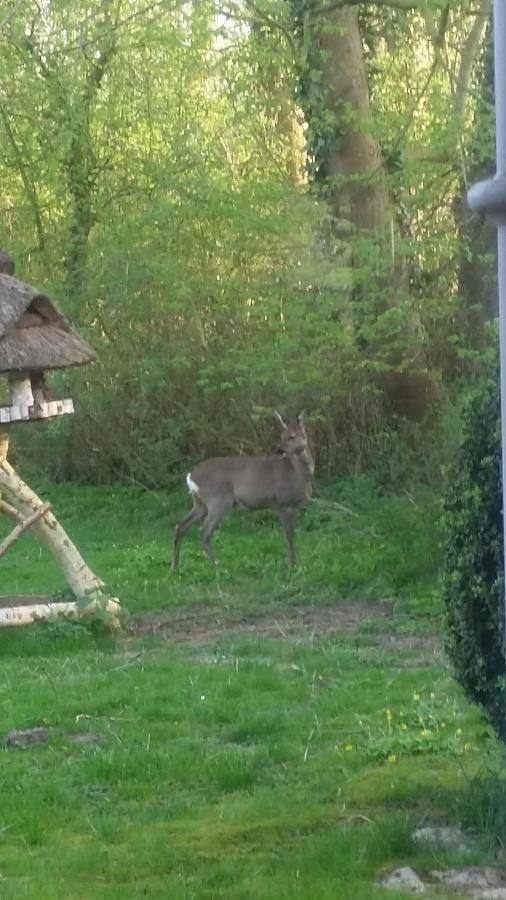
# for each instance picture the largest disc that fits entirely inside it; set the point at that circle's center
(474, 571)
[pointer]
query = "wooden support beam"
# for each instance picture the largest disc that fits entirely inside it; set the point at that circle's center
(27, 614)
(87, 588)
(10, 511)
(4, 445)
(29, 511)
(23, 526)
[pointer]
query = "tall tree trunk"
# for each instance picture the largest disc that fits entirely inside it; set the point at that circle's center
(349, 170)
(351, 165)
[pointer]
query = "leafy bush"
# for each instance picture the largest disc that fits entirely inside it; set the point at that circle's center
(474, 571)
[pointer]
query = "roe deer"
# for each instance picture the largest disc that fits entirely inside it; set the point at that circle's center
(281, 482)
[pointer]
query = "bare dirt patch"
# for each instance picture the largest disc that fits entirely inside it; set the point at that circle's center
(203, 626)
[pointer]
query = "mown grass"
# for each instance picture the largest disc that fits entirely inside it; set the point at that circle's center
(241, 772)
(243, 768)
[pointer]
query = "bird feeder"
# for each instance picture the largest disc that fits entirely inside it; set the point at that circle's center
(36, 338)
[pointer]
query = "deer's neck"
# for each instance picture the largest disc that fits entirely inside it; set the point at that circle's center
(303, 461)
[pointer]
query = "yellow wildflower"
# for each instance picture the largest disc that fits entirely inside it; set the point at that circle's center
(392, 758)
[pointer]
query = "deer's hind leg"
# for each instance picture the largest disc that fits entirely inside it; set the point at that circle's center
(216, 512)
(196, 514)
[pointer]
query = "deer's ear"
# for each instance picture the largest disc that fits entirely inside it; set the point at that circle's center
(280, 419)
(301, 419)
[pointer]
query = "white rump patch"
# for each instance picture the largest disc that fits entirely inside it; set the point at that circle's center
(192, 487)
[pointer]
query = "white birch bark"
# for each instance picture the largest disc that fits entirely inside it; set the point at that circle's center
(85, 585)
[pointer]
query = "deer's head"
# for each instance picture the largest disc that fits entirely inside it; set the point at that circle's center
(293, 438)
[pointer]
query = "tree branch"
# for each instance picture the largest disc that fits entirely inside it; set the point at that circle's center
(12, 12)
(468, 56)
(438, 45)
(461, 92)
(393, 4)
(260, 17)
(26, 181)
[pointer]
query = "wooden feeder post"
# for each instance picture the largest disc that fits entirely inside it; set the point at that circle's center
(36, 337)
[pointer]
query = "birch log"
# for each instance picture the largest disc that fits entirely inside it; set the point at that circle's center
(21, 527)
(85, 585)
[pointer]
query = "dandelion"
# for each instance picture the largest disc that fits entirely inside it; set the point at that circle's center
(443, 724)
(404, 726)
(348, 748)
(388, 713)
(416, 696)
(392, 758)
(432, 696)
(458, 732)
(424, 732)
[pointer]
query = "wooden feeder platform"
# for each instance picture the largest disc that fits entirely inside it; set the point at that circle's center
(44, 410)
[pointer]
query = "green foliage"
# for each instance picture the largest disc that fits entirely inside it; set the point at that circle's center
(474, 568)
(151, 168)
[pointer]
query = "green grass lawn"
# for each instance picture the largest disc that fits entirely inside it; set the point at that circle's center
(352, 542)
(243, 766)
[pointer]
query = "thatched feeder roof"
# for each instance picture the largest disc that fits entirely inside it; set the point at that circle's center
(34, 335)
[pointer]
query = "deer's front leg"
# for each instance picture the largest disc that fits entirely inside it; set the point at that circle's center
(287, 516)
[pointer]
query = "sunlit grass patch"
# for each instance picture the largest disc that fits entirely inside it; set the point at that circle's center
(218, 779)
